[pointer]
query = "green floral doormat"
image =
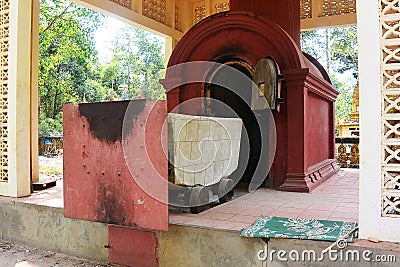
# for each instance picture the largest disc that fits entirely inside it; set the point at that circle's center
(277, 227)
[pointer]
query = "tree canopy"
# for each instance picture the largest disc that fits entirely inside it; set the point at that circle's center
(337, 50)
(136, 66)
(69, 68)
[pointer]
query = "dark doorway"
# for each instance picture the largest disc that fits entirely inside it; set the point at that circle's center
(237, 104)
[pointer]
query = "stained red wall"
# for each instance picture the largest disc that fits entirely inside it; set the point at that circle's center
(98, 184)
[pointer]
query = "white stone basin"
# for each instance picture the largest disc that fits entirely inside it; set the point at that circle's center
(202, 150)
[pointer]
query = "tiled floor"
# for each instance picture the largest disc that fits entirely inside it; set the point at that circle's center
(336, 199)
(51, 197)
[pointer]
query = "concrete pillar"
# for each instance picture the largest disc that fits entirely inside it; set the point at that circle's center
(377, 145)
(35, 91)
(15, 109)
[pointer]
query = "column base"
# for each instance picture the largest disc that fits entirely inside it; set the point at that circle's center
(316, 175)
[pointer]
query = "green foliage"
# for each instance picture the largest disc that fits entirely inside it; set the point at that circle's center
(343, 103)
(337, 50)
(50, 126)
(343, 49)
(136, 66)
(313, 43)
(69, 69)
(67, 54)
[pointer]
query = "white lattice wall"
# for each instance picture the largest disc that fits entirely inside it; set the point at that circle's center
(390, 71)
(4, 39)
(15, 97)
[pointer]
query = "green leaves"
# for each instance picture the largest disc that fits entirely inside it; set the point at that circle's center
(337, 50)
(66, 54)
(69, 69)
(137, 65)
(344, 49)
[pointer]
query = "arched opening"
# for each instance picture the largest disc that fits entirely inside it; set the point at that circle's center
(227, 103)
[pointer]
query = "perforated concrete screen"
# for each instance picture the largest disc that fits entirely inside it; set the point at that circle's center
(124, 3)
(390, 90)
(4, 38)
(305, 9)
(335, 7)
(155, 9)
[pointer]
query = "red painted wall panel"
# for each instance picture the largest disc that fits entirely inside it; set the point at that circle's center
(131, 247)
(99, 184)
(318, 130)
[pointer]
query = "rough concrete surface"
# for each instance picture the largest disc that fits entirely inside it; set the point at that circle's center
(190, 246)
(46, 227)
(12, 255)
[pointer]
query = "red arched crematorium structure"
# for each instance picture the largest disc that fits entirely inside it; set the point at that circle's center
(304, 155)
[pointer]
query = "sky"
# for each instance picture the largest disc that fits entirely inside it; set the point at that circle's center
(105, 35)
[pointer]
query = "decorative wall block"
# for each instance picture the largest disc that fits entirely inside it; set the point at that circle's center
(202, 150)
(124, 3)
(155, 9)
(199, 13)
(338, 7)
(390, 91)
(221, 7)
(4, 38)
(305, 9)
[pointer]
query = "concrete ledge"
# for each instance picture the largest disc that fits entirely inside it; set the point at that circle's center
(189, 246)
(46, 228)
